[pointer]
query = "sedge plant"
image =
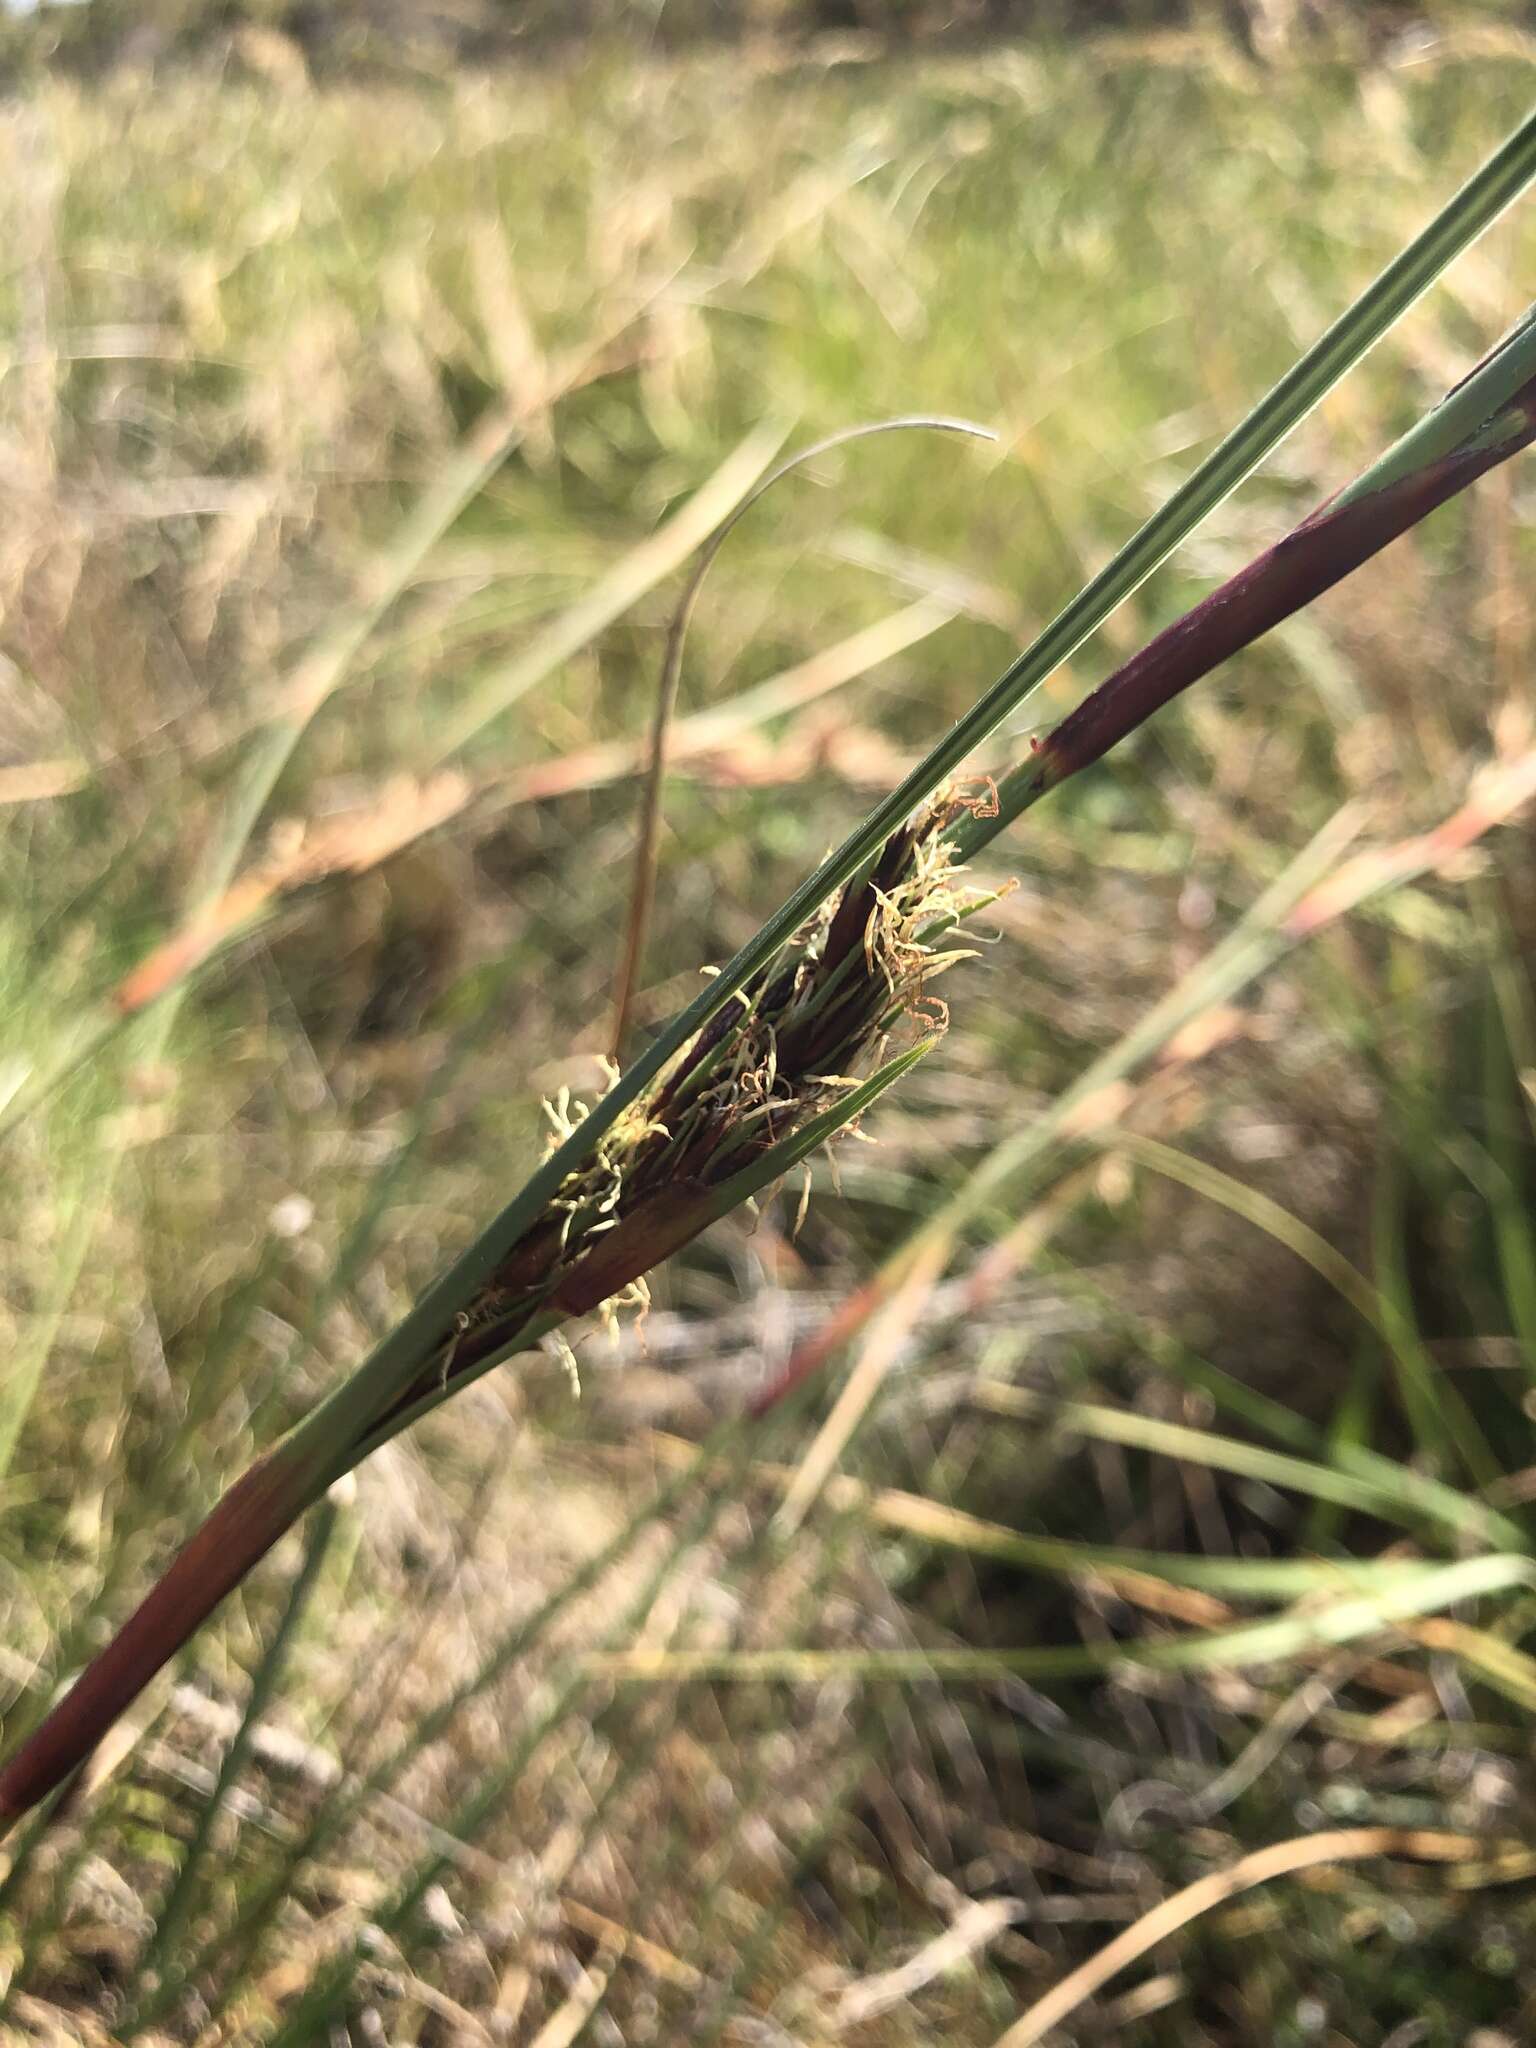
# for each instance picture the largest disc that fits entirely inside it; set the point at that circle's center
(765, 1064)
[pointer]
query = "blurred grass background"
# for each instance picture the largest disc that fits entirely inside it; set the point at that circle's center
(263, 287)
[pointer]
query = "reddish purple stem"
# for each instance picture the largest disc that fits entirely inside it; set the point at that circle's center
(1329, 544)
(250, 1518)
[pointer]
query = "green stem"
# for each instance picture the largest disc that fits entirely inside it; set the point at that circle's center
(396, 1361)
(291, 1477)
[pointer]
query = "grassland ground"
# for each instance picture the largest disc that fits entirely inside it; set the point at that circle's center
(350, 439)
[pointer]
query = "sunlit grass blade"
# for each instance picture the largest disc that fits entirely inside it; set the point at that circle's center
(1375, 1486)
(1332, 1846)
(1318, 1625)
(1497, 1663)
(1437, 1409)
(934, 1522)
(628, 580)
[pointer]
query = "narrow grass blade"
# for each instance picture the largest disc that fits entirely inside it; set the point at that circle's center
(1305, 1852)
(643, 884)
(171, 1922)
(1393, 1492)
(627, 581)
(1508, 1670)
(949, 1528)
(1253, 1644)
(1438, 1412)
